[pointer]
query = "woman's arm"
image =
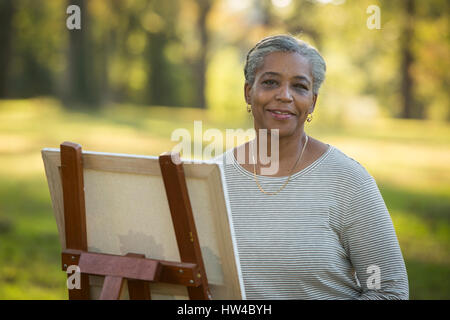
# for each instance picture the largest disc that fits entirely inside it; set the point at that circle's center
(369, 238)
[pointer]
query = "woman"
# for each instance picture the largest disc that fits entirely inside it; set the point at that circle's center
(316, 228)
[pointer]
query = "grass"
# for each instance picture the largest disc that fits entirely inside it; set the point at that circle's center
(409, 159)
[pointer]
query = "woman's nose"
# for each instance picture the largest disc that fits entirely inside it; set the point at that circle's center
(284, 94)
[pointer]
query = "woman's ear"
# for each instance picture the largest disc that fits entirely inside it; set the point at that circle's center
(311, 109)
(247, 89)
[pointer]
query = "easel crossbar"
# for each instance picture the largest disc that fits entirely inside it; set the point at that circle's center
(132, 268)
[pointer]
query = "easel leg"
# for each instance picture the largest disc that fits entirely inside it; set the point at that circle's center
(83, 292)
(183, 220)
(74, 208)
(111, 288)
(138, 290)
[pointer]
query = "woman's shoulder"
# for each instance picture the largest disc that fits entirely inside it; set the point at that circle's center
(344, 166)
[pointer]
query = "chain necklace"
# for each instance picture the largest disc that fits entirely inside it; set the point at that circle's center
(290, 173)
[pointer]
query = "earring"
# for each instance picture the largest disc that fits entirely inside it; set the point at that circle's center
(249, 108)
(309, 117)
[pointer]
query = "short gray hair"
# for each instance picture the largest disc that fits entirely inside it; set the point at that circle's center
(285, 43)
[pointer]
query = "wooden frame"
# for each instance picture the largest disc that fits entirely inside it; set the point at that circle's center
(66, 171)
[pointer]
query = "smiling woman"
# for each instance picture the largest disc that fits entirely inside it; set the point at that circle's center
(318, 228)
(282, 91)
(283, 77)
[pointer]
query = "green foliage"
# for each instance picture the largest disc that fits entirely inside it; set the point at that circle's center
(153, 53)
(225, 90)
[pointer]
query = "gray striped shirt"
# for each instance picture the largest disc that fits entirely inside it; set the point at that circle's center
(324, 236)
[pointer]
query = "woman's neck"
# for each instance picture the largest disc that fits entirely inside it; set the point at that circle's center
(280, 153)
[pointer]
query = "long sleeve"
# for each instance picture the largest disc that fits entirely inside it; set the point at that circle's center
(370, 240)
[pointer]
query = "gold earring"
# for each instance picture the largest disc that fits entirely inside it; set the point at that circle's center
(309, 117)
(249, 108)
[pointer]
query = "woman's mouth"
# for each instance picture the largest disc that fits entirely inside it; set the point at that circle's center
(280, 115)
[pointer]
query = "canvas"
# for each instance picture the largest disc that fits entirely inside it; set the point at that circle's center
(127, 211)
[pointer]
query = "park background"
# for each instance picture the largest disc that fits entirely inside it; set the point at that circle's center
(138, 70)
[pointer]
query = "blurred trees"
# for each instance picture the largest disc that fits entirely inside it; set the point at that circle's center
(81, 86)
(6, 34)
(406, 53)
(191, 52)
(30, 48)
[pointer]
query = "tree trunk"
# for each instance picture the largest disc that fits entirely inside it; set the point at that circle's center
(81, 76)
(407, 83)
(201, 65)
(6, 15)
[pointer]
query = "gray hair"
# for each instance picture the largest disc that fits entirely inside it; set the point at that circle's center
(285, 43)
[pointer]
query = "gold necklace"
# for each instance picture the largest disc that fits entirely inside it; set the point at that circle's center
(290, 173)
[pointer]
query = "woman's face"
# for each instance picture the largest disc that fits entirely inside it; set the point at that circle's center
(281, 96)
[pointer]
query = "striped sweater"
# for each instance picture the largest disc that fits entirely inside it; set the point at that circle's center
(326, 235)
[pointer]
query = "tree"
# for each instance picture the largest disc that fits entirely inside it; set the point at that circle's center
(6, 31)
(407, 60)
(204, 7)
(81, 86)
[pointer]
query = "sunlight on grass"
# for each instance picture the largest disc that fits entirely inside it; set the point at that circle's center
(14, 144)
(408, 166)
(421, 241)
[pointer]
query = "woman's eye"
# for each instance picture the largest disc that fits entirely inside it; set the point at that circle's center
(300, 86)
(269, 82)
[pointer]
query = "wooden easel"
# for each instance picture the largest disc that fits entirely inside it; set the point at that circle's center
(135, 268)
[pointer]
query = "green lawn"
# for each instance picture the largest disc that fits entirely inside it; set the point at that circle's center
(409, 159)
